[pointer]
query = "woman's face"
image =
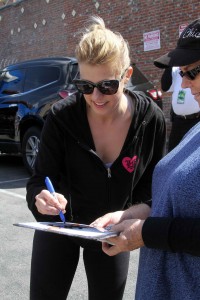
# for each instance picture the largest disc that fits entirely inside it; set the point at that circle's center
(194, 84)
(98, 102)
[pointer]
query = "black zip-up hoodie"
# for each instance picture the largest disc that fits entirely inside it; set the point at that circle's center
(67, 155)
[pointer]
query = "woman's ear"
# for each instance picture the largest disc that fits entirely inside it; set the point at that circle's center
(128, 74)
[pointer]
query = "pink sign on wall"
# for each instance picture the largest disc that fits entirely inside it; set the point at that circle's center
(182, 27)
(151, 40)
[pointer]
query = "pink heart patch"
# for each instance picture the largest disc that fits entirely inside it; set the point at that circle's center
(130, 163)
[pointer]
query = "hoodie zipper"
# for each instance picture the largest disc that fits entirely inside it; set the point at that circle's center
(109, 188)
(109, 173)
(108, 170)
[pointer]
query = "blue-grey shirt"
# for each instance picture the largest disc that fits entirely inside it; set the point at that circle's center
(176, 193)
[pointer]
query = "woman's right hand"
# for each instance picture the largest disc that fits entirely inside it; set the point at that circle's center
(47, 204)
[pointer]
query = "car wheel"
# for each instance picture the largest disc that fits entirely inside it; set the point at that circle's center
(30, 146)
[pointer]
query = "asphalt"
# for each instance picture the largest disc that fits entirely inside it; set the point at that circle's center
(16, 242)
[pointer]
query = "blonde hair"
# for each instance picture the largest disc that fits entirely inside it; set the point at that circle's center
(100, 45)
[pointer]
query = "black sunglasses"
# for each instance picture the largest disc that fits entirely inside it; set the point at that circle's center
(191, 74)
(106, 87)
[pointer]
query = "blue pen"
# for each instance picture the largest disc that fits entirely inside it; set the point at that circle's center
(52, 191)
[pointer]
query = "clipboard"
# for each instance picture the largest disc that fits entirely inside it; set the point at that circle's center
(71, 229)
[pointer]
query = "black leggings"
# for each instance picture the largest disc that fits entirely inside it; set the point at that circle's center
(54, 261)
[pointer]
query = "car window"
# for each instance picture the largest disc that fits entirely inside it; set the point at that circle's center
(11, 82)
(74, 72)
(39, 76)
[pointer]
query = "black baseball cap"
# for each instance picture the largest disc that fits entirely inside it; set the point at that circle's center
(187, 50)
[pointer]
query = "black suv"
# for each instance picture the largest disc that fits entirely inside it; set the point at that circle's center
(27, 91)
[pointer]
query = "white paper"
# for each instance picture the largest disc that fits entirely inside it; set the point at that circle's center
(77, 230)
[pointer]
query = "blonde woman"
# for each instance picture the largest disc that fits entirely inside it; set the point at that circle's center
(169, 264)
(99, 147)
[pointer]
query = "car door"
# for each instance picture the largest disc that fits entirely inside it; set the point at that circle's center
(11, 88)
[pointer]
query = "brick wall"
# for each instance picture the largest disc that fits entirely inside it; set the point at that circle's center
(39, 28)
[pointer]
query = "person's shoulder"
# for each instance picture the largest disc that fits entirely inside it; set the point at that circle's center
(155, 112)
(71, 102)
(146, 106)
(138, 95)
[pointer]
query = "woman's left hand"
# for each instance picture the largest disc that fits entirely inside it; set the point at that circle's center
(130, 237)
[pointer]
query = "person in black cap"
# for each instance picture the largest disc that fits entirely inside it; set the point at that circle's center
(169, 265)
(185, 111)
(186, 51)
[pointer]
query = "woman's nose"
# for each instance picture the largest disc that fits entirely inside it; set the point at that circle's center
(96, 94)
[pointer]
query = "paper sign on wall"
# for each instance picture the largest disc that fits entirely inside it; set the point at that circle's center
(151, 40)
(182, 27)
